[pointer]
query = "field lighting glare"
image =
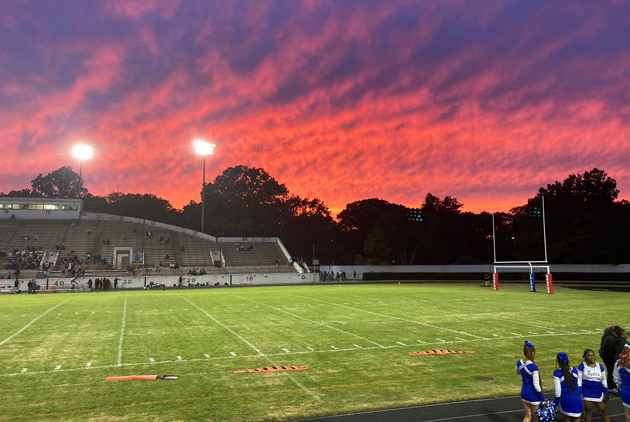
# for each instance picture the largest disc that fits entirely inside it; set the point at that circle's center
(204, 148)
(82, 152)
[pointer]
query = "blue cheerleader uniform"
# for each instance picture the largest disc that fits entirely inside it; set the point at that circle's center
(622, 379)
(594, 384)
(569, 400)
(530, 392)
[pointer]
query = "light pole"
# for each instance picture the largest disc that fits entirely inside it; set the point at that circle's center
(82, 152)
(203, 148)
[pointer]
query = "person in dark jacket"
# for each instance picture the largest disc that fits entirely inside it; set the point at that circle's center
(621, 337)
(607, 353)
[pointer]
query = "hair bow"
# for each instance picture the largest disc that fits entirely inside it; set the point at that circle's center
(563, 357)
(528, 344)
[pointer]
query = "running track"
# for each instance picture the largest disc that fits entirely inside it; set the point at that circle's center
(503, 409)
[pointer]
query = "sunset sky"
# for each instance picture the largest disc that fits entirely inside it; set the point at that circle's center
(485, 101)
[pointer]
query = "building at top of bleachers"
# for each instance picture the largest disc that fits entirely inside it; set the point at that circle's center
(40, 208)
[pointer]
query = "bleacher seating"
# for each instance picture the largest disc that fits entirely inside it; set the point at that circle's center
(100, 237)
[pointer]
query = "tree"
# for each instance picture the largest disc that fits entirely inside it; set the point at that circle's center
(310, 227)
(23, 193)
(146, 206)
(356, 222)
(61, 183)
(581, 220)
(395, 238)
(246, 201)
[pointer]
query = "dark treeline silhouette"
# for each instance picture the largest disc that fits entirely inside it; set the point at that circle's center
(585, 221)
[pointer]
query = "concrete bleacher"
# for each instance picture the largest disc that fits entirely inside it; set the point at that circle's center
(185, 248)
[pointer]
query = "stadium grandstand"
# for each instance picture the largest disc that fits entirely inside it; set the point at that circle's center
(55, 242)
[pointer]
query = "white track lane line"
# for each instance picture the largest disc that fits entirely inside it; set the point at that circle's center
(393, 317)
(312, 321)
(295, 381)
(32, 322)
(122, 333)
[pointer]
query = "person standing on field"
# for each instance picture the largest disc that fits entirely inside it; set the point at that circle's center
(531, 392)
(622, 378)
(594, 386)
(607, 353)
(568, 387)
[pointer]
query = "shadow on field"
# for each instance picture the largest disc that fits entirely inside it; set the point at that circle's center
(503, 409)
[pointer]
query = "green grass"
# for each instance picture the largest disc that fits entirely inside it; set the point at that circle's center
(355, 339)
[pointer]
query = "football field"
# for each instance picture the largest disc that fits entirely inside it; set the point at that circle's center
(57, 349)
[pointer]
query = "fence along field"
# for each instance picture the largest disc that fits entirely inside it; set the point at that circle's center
(56, 350)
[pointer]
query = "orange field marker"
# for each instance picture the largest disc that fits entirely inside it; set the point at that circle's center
(272, 369)
(143, 377)
(440, 352)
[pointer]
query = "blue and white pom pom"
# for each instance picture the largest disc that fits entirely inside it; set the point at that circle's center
(547, 411)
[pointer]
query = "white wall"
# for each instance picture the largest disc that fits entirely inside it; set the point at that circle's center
(555, 268)
(169, 281)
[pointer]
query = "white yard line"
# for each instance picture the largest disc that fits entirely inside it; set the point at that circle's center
(152, 361)
(122, 333)
(484, 316)
(393, 317)
(312, 321)
(32, 322)
(295, 381)
(224, 326)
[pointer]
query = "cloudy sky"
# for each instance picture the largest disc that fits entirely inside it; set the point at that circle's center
(343, 100)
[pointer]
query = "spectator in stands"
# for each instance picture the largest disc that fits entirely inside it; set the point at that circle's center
(250, 248)
(115, 283)
(90, 284)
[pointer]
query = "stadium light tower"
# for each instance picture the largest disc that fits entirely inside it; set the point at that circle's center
(203, 148)
(82, 152)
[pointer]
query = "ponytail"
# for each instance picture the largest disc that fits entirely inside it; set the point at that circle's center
(563, 363)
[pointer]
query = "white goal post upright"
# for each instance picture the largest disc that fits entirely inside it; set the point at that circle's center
(515, 264)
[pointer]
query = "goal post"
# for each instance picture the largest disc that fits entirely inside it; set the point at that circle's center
(532, 277)
(518, 264)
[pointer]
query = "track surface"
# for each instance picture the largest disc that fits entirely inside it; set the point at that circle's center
(504, 409)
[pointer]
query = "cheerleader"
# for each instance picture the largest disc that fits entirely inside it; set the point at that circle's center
(568, 389)
(531, 392)
(594, 386)
(622, 379)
